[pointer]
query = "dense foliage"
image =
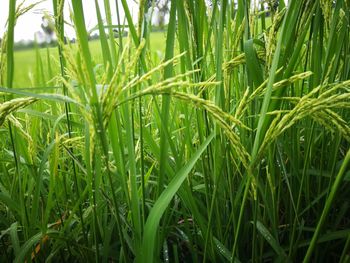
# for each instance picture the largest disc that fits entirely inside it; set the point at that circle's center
(233, 146)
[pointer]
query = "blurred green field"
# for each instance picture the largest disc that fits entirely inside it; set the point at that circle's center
(31, 63)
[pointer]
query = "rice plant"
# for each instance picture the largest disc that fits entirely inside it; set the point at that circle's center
(231, 146)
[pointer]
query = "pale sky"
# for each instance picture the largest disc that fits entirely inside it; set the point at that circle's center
(30, 22)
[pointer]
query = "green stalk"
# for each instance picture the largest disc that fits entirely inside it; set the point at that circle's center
(59, 22)
(330, 199)
(112, 47)
(107, 58)
(10, 43)
(9, 83)
(142, 34)
(168, 72)
(220, 94)
(262, 123)
(82, 37)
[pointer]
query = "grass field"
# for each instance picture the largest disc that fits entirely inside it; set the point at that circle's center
(224, 139)
(26, 61)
